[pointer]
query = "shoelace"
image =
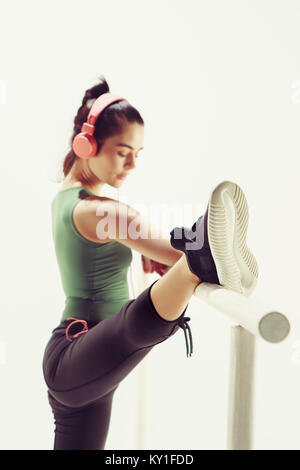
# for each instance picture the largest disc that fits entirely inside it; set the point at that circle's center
(85, 327)
(182, 322)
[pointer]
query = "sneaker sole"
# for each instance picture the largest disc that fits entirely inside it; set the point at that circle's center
(227, 227)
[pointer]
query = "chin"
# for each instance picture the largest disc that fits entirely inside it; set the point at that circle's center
(116, 183)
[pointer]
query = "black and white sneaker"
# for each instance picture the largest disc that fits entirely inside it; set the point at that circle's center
(215, 246)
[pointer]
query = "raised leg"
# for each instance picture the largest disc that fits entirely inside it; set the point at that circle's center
(172, 292)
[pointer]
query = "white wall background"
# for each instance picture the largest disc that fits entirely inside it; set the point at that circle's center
(217, 83)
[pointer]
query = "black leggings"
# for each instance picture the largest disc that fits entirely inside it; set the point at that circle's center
(83, 374)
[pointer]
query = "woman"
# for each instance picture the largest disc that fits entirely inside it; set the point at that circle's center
(103, 334)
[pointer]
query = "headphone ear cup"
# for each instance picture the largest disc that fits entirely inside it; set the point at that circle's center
(84, 145)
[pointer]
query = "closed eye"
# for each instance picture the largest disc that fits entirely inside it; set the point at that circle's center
(122, 155)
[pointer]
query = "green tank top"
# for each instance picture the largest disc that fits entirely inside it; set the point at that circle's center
(93, 275)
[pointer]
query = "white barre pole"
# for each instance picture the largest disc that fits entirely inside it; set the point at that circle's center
(241, 389)
(252, 315)
(139, 283)
(253, 319)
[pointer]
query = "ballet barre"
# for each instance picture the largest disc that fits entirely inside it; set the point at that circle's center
(253, 319)
(252, 315)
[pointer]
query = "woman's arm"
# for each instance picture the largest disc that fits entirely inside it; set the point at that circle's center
(169, 253)
(104, 219)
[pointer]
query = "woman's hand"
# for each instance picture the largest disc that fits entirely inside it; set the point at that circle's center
(149, 266)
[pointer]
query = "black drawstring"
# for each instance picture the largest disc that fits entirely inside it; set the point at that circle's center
(182, 322)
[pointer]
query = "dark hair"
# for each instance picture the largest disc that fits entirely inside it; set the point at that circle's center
(109, 123)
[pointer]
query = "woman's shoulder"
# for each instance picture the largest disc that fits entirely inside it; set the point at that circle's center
(87, 214)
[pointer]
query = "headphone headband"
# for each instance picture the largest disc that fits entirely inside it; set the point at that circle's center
(84, 144)
(100, 104)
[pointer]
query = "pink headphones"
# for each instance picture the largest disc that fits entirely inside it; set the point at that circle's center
(84, 144)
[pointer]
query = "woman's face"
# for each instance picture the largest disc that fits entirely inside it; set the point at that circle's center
(118, 154)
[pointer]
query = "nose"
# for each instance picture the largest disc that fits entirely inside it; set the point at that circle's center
(130, 162)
